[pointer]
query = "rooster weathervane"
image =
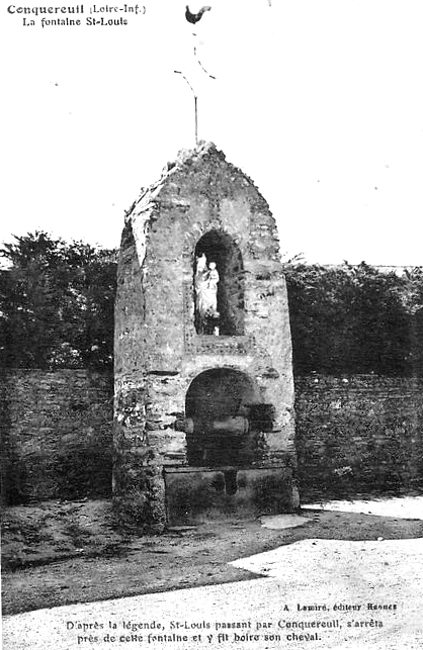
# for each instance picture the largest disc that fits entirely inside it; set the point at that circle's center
(193, 19)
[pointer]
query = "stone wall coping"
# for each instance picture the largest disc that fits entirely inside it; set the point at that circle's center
(174, 469)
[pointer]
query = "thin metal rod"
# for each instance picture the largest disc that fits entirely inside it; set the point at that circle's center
(195, 105)
(196, 119)
(201, 65)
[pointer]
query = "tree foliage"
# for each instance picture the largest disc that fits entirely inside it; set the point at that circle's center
(57, 310)
(56, 304)
(355, 319)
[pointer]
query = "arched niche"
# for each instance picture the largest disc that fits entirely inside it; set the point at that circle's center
(220, 430)
(220, 248)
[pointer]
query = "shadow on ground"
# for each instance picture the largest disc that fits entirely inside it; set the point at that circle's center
(60, 553)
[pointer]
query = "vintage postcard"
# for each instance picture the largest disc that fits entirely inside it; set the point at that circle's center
(211, 325)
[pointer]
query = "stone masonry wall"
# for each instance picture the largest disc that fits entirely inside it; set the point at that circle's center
(359, 435)
(56, 434)
(158, 352)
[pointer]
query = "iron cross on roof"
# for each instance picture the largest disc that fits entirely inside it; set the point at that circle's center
(194, 18)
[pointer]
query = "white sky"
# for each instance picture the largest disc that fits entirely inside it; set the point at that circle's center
(319, 101)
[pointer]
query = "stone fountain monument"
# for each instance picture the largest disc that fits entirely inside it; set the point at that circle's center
(204, 420)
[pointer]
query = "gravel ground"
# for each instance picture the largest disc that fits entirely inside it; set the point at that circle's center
(318, 593)
(312, 582)
(398, 507)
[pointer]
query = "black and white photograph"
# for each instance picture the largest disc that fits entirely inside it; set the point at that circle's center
(211, 325)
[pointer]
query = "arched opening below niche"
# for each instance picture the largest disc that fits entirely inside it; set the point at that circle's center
(221, 430)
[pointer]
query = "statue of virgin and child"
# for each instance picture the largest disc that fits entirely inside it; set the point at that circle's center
(205, 283)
